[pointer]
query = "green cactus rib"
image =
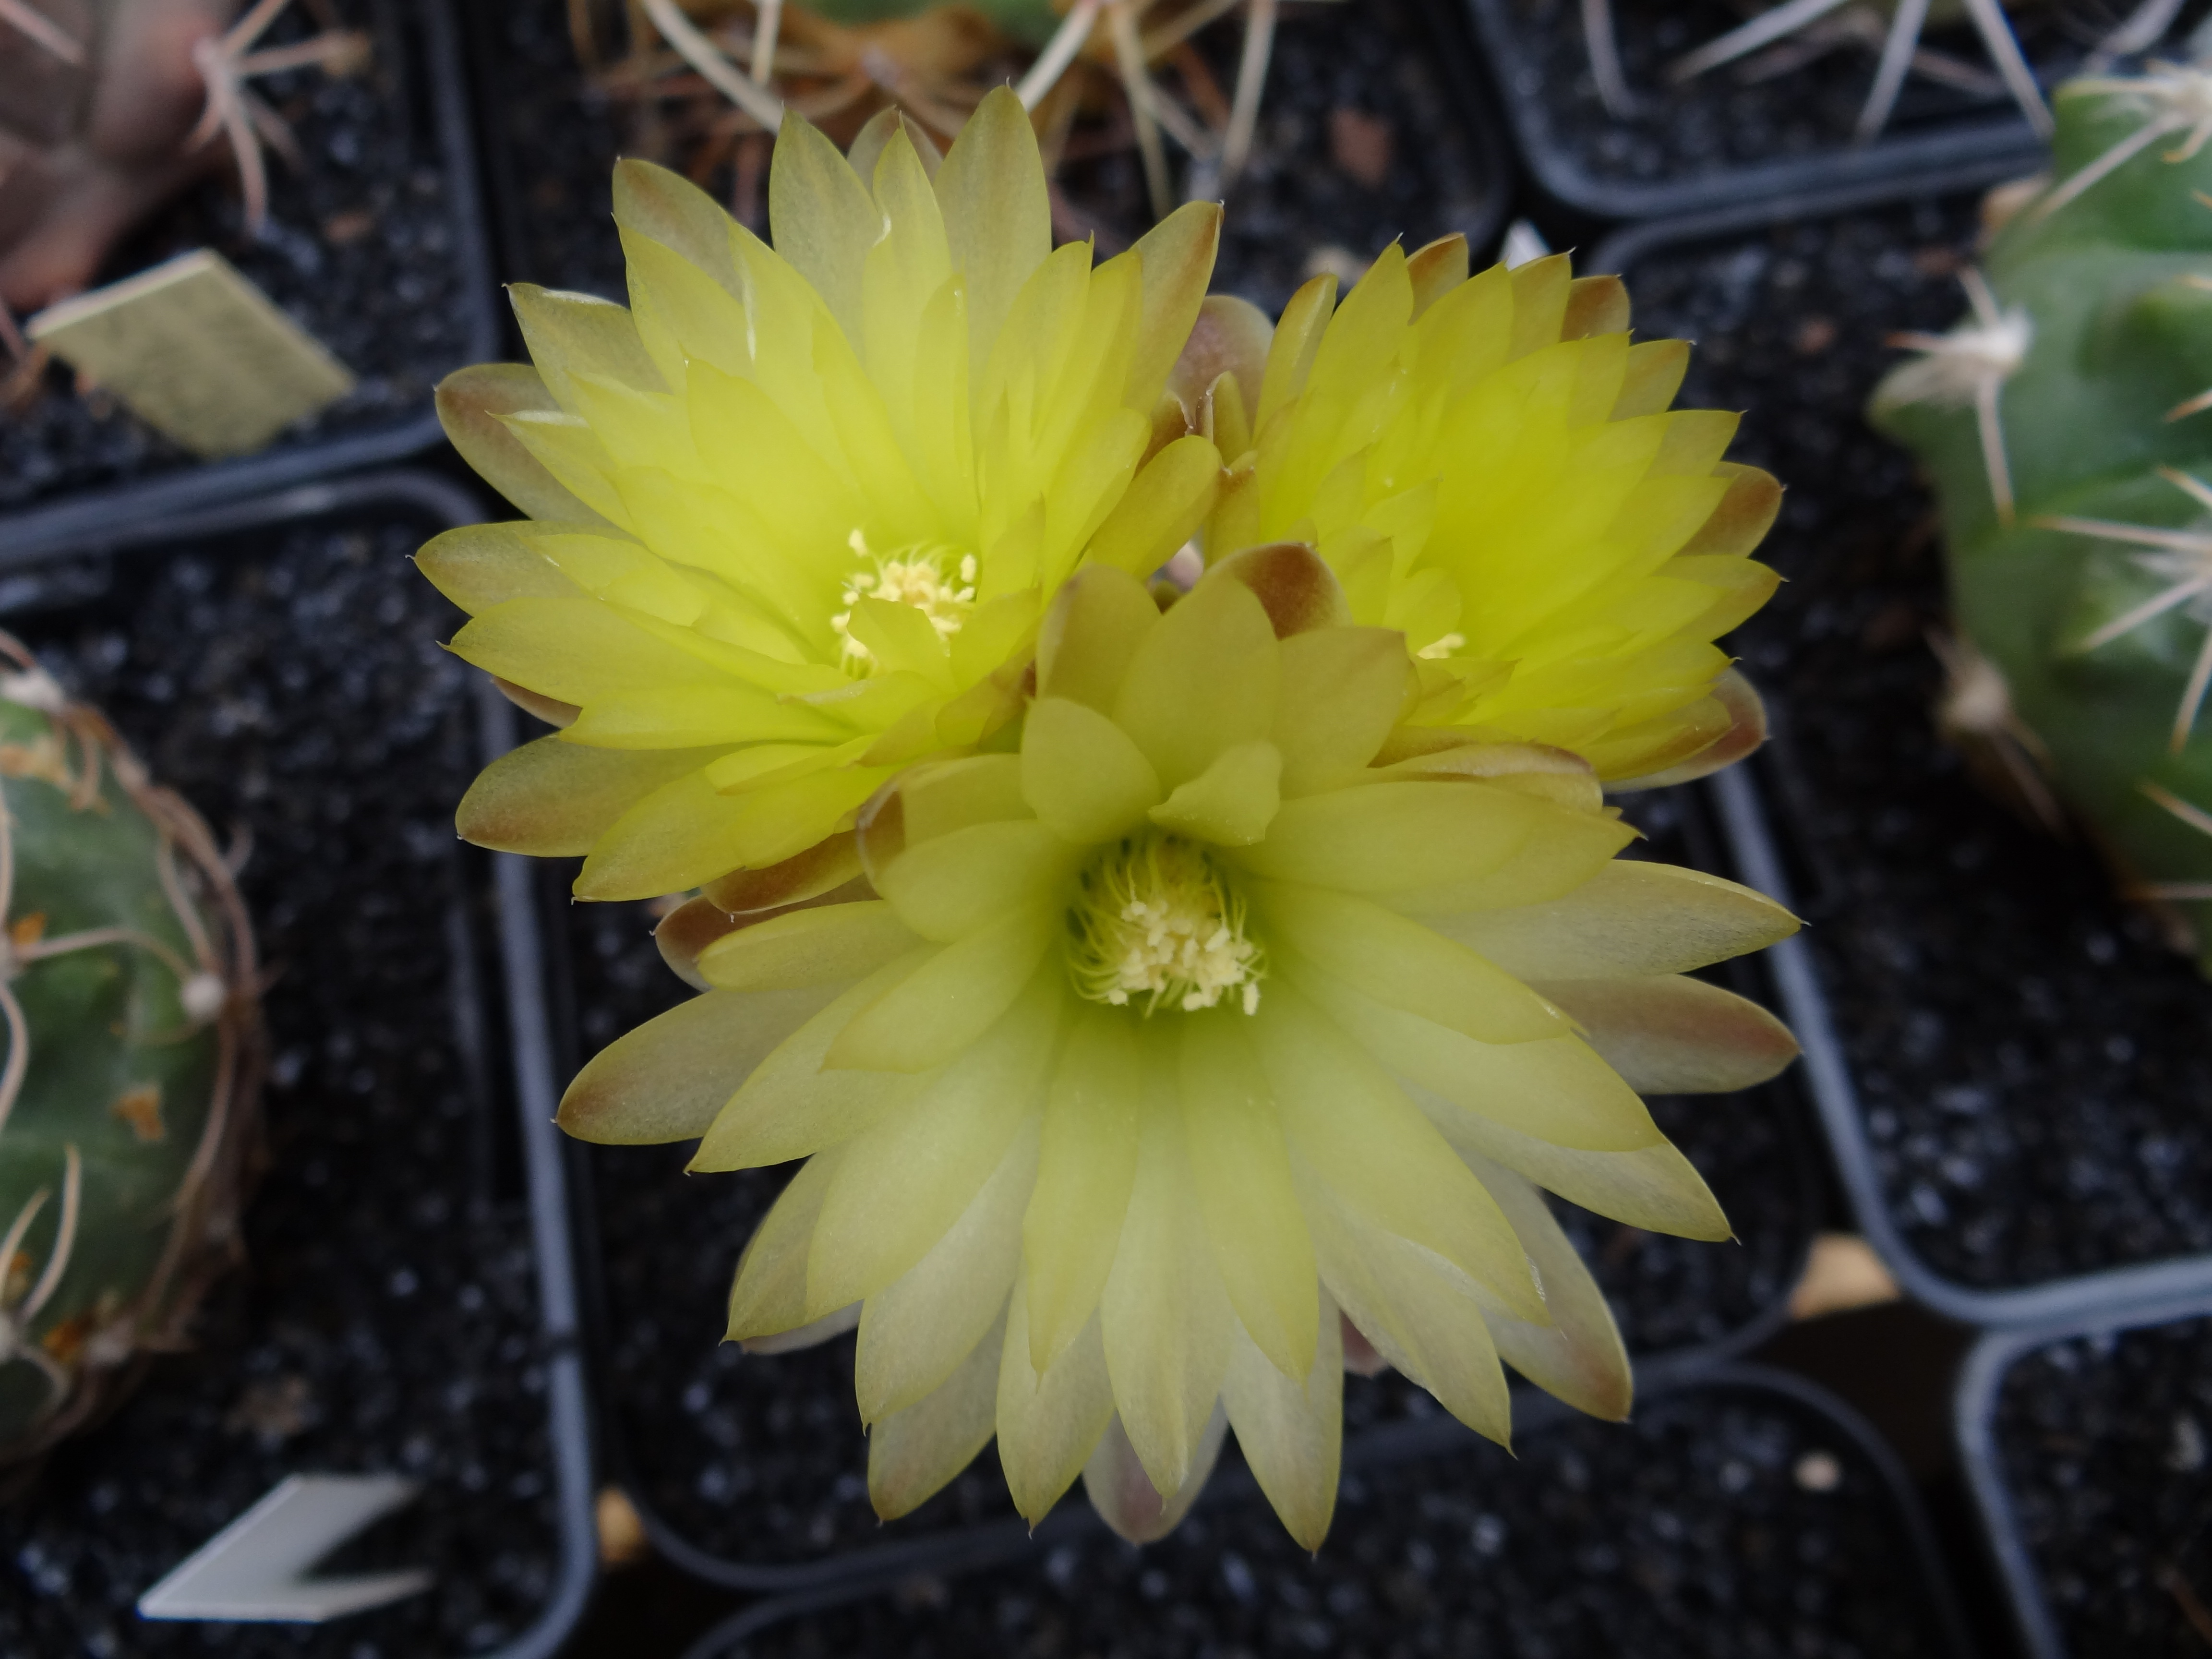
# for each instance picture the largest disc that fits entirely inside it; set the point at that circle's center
(2068, 432)
(127, 987)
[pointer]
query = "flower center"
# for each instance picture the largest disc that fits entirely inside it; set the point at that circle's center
(1156, 923)
(914, 575)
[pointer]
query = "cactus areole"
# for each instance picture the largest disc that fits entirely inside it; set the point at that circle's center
(127, 1092)
(2075, 480)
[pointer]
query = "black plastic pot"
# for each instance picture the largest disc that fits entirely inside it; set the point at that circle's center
(1746, 1513)
(377, 249)
(552, 139)
(2085, 1445)
(1715, 142)
(2009, 1065)
(407, 1300)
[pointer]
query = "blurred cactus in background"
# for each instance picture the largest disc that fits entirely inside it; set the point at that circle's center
(713, 77)
(127, 1094)
(109, 107)
(2066, 426)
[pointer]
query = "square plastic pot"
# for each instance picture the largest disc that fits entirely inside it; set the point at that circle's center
(377, 249)
(2084, 1445)
(2009, 1065)
(405, 1303)
(1715, 142)
(1747, 1512)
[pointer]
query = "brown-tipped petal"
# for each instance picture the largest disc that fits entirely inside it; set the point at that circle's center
(470, 404)
(551, 710)
(1578, 1357)
(1166, 503)
(767, 1293)
(1090, 635)
(807, 1336)
(1595, 305)
(688, 929)
(1360, 1356)
(1048, 1424)
(1541, 290)
(1654, 1187)
(673, 211)
(1292, 1430)
(1123, 1494)
(1298, 591)
(822, 869)
(1655, 368)
(1176, 259)
(913, 1453)
(1231, 337)
(668, 1079)
(1436, 269)
(1747, 730)
(1745, 514)
(478, 566)
(1674, 1035)
(554, 800)
(869, 142)
(1632, 919)
(1530, 769)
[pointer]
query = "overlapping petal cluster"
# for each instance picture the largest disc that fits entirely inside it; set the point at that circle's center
(1131, 1065)
(795, 514)
(1161, 999)
(1489, 465)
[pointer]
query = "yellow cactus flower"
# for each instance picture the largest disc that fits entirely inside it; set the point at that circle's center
(794, 515)
(1488, 463)
(1223, 1014)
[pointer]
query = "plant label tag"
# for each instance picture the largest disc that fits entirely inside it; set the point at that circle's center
(258, 1567)
(197, 352)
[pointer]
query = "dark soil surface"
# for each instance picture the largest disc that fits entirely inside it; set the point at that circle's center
(761, 1459)
(2030, 1059)
(290, 683)
(2103, 1442)
(363, 249)
(1724, 119)
(1731, 1520)
(1364, 138)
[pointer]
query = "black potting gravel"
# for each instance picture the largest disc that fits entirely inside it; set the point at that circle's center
(1365, 136)
(291, 684)
(2030, 1058)
(1695, 133)
(2103, 1441)
(363, 248)
(1727, 1521)
(761, 1459)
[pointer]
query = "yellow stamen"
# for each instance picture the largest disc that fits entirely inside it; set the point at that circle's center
(914, 576)
(1157, 921)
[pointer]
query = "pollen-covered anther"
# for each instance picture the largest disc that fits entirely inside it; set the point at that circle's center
(914, 576)
(1156, 922)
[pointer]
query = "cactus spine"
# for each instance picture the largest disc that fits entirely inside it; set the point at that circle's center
(127, 1092)
(2068, 427)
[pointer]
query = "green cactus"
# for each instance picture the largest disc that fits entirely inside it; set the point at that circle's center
(2068, 430)
(127, 1093)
